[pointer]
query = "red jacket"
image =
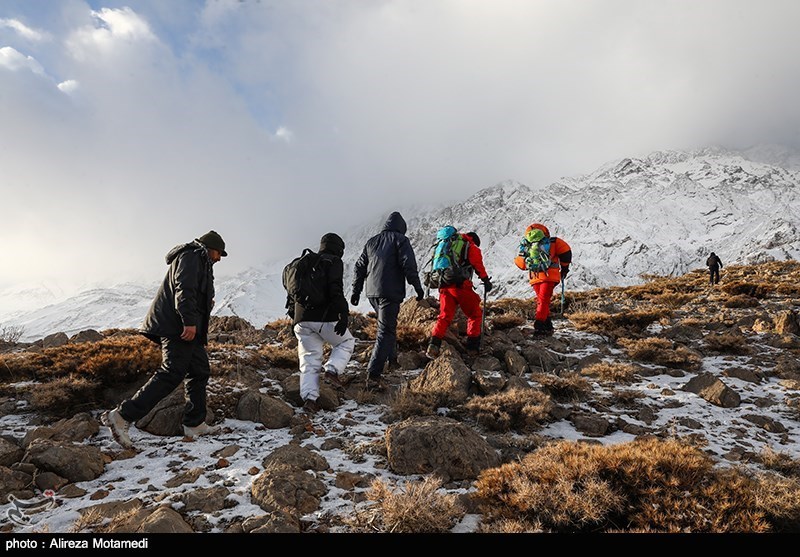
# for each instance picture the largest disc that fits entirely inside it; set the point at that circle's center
(475, 260)
(560, 254)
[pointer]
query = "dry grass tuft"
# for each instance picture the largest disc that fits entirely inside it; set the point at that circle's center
(629, 323)
(525, 308)
(646, 485)
(780, 462)
(64, 396)
(741, 302)
(742, 288)
(411, 337)
(672, 300)
(517, 409)
(279, 355)
(416, 508)
(662, 352)
(408, 403)
(507, 321)
(564, 388)
(611, 371)
(727, 343)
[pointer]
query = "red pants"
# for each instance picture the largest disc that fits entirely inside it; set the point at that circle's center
(450, 298)
(544, 291)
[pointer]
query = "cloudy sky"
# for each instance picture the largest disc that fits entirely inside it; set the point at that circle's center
(127, 127)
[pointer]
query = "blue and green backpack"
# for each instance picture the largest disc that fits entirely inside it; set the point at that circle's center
(535, 247)
(449, 264)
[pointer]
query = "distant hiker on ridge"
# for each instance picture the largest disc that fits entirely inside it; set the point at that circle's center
(714, 264)
(178, 320)
(455, 287)
(386, 264)
(547, 261)
(315, 301)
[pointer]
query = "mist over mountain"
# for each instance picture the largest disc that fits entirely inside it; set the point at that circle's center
(661, 214)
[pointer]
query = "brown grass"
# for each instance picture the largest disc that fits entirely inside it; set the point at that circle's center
(611, 371)
(412, 337)
(408, 403)
(741, 301)
(525, 308)
(662, 352)
(415, 508)
(780, 462)
(515, 409)
(727, 343)
(628, 323)
(507, 321)
(278, 355)
(65, 396)
(567, 387)
(741, 288)
(646, 485)
(672, 300)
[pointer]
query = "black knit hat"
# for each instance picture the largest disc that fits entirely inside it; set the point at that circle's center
(332, 243)
(214, 241)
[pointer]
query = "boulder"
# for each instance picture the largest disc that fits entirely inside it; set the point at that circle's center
(289, 488)
(296, 456)
(446, 377)
(713, 390)
(76, 463)
(55, 340)
(77, 428)
(10, 453)
(258, 407)
(89, 335)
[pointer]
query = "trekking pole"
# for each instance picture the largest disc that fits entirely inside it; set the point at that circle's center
(562, 297)
(483, 316)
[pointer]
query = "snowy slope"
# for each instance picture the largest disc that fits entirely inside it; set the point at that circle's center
(661, 214)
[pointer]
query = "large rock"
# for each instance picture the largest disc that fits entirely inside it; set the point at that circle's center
(446, 377)
(206, 499)
(89, 335)
(164, 520)
(77, 428)
(77, 463)
(10, 452)
(286, 487)
(55, 340)
(516, 363)
(328, 398)
(258, 407)
(278, 521)
(713, 390)
(436, 445)
(166, 418)
(13, 482)
(296, 456)
(787, 323)
(590, 424)
(489, 381)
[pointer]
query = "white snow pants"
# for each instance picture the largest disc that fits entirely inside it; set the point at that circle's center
(311, 336)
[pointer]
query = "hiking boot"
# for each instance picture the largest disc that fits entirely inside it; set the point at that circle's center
(311, 406)
(333, 378)
(473, 345)
(374, 385)
(392, 365)
(434, 348)
(200, 429)
(540, 328)
(119, 427)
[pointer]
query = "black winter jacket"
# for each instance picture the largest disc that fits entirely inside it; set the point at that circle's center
(331, 248)
(713, 261)
(387, 263)
(185, 297)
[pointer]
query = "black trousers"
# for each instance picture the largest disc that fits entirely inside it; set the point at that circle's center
(179, 360)
(713, 275)
(386, 338)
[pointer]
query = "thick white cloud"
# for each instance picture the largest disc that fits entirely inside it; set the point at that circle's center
(274, 122)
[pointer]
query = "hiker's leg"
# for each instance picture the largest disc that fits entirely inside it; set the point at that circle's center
(196, 383)
(544, 292)
(309, 352)
(448, 304)
(470, 304)
(341, 347)
(176, 356)
(386, 337)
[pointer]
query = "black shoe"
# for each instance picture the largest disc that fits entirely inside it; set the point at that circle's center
(311, 406)
(333, 378)
(473, 346)
(374, 385)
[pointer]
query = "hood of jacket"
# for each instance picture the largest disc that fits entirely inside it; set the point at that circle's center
(180, 248)
(395, 223)
(538, 226)
(332, 243)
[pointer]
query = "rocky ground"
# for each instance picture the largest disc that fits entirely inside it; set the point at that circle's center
(672, 359)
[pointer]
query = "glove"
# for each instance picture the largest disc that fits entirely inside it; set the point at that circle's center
(354, 299)
(341, 326)
(487, 284)
(420, 293)
(564, 272)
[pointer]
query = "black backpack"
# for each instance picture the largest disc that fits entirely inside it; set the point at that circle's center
(305, 280)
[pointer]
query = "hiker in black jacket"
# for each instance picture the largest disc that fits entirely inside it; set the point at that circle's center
(714, 264)
(386, 265)
(177, 320)
(327, 323)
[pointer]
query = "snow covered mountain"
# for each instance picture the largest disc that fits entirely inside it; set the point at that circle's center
(661, 214)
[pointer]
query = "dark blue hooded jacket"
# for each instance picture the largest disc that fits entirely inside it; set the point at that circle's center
(387, 263)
